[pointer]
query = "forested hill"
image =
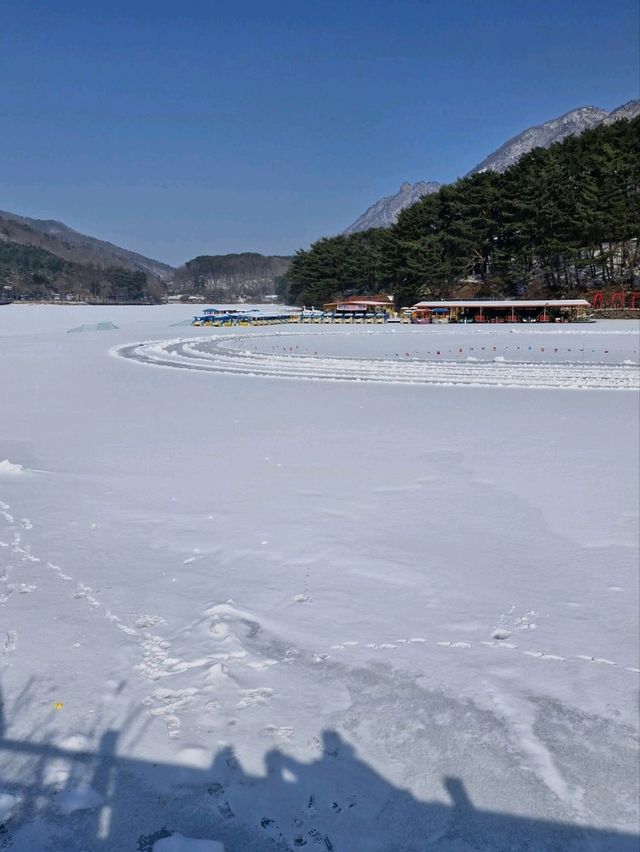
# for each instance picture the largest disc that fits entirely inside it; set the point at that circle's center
(560, 221)
(65, 242)
(228, 277)
(41, 258)
(29, 272)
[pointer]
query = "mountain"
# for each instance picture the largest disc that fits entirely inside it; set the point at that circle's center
(385, 211)
(70, 245)
(229, 277)
(630, 110)
(541, 136)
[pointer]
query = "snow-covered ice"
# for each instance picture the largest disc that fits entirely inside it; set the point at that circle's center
(179, 843)
(7, 805)
(332, 588)
(80, 798)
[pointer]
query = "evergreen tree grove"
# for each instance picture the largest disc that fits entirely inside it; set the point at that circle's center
(560, 221)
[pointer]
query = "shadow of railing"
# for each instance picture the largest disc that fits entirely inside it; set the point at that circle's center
(336, 803)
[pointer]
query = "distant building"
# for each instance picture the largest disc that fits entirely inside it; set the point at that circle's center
(380, 303)
(498, 310)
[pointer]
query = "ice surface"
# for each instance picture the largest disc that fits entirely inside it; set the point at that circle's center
(348, 615)
(98, 326)
(80, 798)
(179, 843)
(7, 805)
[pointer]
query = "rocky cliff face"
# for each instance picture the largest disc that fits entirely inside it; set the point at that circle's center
(385, 212)
(629, 110)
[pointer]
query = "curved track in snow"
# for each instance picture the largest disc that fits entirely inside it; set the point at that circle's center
(219, 355)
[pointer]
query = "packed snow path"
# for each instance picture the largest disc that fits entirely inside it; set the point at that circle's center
(221, 355)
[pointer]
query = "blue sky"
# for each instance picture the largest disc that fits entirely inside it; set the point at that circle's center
(178, 129)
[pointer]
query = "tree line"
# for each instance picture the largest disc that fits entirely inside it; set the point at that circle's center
(560, 221)
(227, 277)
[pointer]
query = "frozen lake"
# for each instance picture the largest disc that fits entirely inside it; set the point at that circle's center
(306, 588)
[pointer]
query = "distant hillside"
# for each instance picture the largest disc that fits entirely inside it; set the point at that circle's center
(29, 272)
(41, 258)
(59, 239)
(384, 212)
(230, 277)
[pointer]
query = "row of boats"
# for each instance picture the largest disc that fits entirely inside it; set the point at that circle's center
(239, 317)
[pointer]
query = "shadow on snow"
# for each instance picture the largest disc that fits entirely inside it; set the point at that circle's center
(337, 803)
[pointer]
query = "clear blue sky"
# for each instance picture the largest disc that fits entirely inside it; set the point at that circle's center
(205, 127)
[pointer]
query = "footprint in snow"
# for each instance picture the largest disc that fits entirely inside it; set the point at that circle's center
(282, 733)
(251, 697)
(272, 829)
(10, 642)
(500, 633)
(146, 620)
(540, 655)
(128, 630)
(83, 592)
(59, 571)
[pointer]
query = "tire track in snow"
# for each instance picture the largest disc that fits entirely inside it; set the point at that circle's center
(215, 355)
